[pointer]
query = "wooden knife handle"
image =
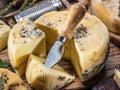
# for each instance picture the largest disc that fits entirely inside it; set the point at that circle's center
(76, 13)
(84, 2)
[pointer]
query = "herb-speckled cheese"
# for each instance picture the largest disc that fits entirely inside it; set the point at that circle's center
(4, 33)
(89, 46)
(41, 77)
(25, 38)
(10, 81)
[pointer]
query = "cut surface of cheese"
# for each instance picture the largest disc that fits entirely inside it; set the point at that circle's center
(4, 33)
(117, 76)
(109, 12)
(25, 38)
(44, 78)
(89, 46)
(10, 81)
(50, 23)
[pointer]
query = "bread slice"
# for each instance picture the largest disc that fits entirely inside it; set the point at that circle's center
(88, 48)
(44, 78)
(24, 39)
(117, 75)
(109, 12)
(4, 33)
(10, 81)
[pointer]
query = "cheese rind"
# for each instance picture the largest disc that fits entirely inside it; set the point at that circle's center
(10, 81)
(4, 33)
(44, 78)
(25, 38)
(88, 48)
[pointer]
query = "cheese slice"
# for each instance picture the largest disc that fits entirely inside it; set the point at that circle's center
(4, 33)
(41, 77)
(109, 12)
(24, 39)
(117, 76)
(10, 81)
(89, 46)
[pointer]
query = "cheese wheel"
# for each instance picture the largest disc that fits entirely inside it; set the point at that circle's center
(25, 38)
(109, 12)
(4, 33)
(117, 75)
(88, 48)
(10, 81)
(41, 77)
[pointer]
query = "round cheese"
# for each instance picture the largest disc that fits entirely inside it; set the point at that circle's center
(88, 48)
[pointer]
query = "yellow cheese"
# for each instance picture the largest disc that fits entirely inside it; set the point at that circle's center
(89, 46)
(41, 77)
(117, 77)
(109, 12)
(4, 33)
(10, 81)
(50, 23)
(25, 38)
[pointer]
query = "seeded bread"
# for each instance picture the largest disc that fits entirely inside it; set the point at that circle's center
(109, 12)
(24, 39)
(4, 33)
(88, 48)
(10, 81)
(41, 77)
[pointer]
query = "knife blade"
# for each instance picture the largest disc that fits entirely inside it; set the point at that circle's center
(76, 13)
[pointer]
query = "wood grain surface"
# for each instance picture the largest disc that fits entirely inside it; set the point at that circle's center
(108, 71)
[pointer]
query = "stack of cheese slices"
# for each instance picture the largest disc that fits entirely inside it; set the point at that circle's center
(28, 43)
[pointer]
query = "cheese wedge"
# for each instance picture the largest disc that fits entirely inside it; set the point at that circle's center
(88, 48)
(117, 76)
(109, 12)
(4, 33)
(24, 39)
(10, 81)
(41, 77)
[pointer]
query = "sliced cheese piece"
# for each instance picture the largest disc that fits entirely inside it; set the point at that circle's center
(10, 81)
(117, 75)
(4, 33)
(109, 12)
(41, 77)
(89, 47)
(24, 39)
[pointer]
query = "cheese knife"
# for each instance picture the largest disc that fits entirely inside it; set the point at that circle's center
(76, 13)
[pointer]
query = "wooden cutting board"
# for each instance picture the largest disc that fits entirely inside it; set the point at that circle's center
(112, 60)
